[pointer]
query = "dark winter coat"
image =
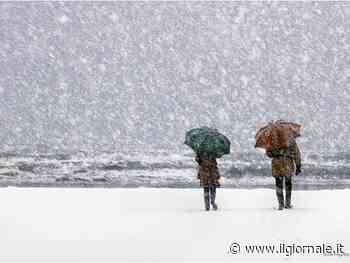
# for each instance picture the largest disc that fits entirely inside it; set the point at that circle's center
(285, 162)
(208, 172)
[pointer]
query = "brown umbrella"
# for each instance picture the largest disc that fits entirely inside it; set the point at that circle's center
(277, 135)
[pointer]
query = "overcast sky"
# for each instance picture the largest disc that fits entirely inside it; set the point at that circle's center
(109, 76)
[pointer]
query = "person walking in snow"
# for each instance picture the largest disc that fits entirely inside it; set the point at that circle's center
(208, 175)
(285, 163)
(208, 144)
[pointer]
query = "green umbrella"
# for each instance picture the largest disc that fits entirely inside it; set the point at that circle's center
(208, 141)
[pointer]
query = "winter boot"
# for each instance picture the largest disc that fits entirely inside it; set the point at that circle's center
(206, 198)
(212, 197)
(280, 198)
(288, 204)
(280, 202)
(279, 192)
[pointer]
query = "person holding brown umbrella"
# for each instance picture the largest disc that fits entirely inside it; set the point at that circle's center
(279, 140)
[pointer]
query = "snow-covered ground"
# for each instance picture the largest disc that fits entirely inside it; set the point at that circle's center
(73, 224)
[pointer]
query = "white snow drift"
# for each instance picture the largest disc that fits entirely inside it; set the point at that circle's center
(164, 224)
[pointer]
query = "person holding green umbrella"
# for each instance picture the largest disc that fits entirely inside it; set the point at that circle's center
(208, 145)
(208, 175)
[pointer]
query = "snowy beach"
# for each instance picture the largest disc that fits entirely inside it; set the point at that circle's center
(114, 116)
(41, 224)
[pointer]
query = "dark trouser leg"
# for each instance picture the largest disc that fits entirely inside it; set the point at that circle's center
(213, 196)
(206, 198)
(288, 191)
(279, 191)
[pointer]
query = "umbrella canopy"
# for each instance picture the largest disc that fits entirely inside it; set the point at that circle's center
(277, 135)
(208, 141)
